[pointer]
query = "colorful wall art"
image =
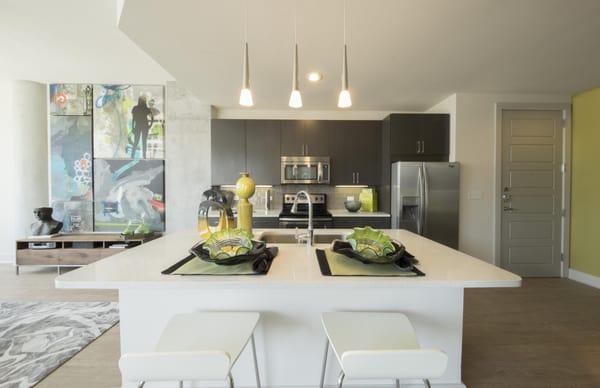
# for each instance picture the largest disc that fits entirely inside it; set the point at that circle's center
(71, 158)
(129, 190)
(70, 99)
(129, 122)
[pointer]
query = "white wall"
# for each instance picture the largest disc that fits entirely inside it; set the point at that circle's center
(30, 158)
(7, 233)
(474, 142)
(187, 163)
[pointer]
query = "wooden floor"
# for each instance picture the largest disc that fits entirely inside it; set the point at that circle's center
(545, 334)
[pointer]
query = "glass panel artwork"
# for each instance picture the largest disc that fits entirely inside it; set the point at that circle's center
(129, 121)
(128, 190)
(70, 99)
(77, 216)
(71, 158)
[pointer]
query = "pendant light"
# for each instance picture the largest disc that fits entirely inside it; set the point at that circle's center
(245, 93)
(344, 100)
(295, 96)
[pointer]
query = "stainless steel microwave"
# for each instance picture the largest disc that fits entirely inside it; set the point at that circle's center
(305, 169)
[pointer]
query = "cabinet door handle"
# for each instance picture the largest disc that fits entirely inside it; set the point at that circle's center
(418, 147)
(353, 177)
(423, 146)
(358, 177)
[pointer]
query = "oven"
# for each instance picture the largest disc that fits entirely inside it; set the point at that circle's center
(305, 169)
(321, 217)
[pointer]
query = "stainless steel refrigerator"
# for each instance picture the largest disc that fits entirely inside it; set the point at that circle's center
(425, 199)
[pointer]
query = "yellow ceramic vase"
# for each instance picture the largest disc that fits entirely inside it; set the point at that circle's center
(244, 189)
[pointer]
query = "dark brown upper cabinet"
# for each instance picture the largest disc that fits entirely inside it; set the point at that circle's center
(418, 137)
(263, 152)
(228, 150)
(304, 138)
(355, 152)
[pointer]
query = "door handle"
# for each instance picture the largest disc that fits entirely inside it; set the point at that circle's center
(358, 177)
(353, 177)
(418, 147)
(508, 209)
(422, 146)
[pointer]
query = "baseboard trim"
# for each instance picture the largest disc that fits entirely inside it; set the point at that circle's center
(585, 278)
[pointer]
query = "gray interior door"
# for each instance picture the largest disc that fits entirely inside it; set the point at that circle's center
(532, 192)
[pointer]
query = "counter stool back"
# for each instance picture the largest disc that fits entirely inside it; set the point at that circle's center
(201, 346)
(379, 346)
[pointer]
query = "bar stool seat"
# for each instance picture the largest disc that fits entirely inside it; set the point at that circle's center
(200, 346)
(379, 346)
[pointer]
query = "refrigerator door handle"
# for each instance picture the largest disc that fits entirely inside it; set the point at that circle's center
(421, 201)
(426, 197)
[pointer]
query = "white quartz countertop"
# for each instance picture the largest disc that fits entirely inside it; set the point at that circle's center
(258, 213)
(346, 213)
(295, 266)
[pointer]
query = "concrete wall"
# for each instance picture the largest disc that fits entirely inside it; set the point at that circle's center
(187, 163)
(7, 233)
(30, 162)
(585, 209)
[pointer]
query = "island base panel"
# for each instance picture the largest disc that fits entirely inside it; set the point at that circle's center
(289, 337)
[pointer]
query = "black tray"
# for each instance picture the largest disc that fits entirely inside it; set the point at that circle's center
(400, 256)
(258, 248)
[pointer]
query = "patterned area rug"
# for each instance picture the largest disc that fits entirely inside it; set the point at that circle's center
(37, 337)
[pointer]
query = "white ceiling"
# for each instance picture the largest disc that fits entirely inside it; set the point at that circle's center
(403, 54)
(70, 41)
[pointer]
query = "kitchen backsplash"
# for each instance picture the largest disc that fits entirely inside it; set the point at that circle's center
(335, 195)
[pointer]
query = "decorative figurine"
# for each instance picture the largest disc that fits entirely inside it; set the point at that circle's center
(244, 189)
(45, 224)
(221, 201)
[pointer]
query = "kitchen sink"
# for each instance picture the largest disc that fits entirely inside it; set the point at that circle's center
(280, 238)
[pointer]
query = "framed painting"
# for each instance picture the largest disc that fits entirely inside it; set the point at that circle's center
(129, 122)
(128, 191)
(70, 158)
(70, 99)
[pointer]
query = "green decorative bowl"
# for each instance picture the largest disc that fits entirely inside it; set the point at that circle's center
(228, 243)
(371, 244)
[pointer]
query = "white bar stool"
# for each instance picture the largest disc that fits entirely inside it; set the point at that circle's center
(195, 347)
(379, 346)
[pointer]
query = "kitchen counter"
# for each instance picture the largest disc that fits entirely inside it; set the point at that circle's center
(346, 213)
(291, 298)
(258, 213)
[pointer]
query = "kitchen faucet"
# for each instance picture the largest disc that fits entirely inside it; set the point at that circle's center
(310, 232)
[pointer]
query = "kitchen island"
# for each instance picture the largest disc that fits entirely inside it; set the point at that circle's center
(291, 298)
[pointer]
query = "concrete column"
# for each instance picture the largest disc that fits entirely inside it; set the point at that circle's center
(187, 157)
(30, 165)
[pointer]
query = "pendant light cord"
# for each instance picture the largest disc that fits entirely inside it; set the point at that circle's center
(246, 21)
(344, 21)
(295, 21)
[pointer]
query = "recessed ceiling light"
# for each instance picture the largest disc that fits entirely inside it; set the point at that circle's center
(313, 76)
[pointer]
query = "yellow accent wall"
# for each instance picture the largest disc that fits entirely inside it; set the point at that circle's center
(585, 183)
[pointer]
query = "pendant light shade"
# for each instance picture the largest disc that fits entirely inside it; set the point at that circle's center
(246, 94)
(295, 96)
(344, 99)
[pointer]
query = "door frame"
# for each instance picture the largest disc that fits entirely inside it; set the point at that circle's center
(565, 108)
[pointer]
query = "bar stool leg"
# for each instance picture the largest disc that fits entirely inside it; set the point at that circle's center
(341, 379)
(141, 384)
(324, 367)
(255, 361)
(230, 378)
(427, 383)
(397, 383)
